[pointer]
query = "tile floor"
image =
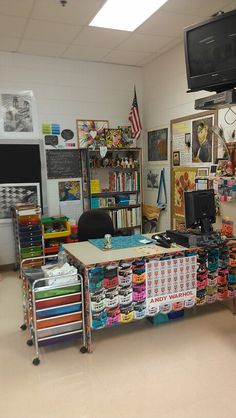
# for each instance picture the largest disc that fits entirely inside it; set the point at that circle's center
(183, 369)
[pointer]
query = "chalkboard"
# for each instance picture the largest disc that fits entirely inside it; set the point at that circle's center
(20, 163)
(63, 164)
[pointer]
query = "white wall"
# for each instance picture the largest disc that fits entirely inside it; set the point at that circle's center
(165, 98)
(67, 90)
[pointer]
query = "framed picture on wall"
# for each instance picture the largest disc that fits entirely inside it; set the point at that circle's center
(13, 193)
(157, 145)
(90, 132)
(18, 116)
(176, 158)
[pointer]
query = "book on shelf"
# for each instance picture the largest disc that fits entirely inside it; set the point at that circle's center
(125, 218)
(95, 186)
(121, 182)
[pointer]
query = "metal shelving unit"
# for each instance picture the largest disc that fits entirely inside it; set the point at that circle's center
(127, 218)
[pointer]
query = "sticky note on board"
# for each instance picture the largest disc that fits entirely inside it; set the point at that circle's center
(46, 128)
(55, 128)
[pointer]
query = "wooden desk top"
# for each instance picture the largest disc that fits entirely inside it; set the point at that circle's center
(87, 254)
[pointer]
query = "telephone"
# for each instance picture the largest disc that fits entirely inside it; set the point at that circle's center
(162, 240)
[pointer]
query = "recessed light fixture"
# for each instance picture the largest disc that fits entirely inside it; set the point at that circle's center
(125, 14)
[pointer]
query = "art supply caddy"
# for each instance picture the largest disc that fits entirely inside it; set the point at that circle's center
(53, 303)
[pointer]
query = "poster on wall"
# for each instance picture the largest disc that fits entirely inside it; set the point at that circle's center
(13, 193)
(18, 116)
(183, 180)
(181, 142)
(202, 140)
(193, 138)
(70, 201)
(157, 145)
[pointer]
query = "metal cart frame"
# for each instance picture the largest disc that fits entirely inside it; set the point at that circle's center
(31, 305)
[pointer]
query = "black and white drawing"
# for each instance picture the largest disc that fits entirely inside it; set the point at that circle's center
(152, 178)
(10, 194)
(18, 114)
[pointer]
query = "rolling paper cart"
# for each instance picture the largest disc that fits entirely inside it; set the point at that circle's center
(53, 308)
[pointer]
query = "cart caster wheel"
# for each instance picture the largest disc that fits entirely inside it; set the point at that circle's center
(36, 361)
(29, 343)
(83, 350)
(23, 327)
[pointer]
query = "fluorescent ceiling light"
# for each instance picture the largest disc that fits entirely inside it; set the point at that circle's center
(125, 14)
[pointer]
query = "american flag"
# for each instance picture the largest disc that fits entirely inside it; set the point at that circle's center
(134, 118)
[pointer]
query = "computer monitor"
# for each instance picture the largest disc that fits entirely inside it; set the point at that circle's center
(200, 209)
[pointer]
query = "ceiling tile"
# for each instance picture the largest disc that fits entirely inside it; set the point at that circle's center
(125, 57)
(9, 44)
(41, 48)
(12, 25)
(21, 8)
(145, 43)
(38, 30)
(194, 7)
(101, 38)
(167, 24)
(85, 53)
(76, 12)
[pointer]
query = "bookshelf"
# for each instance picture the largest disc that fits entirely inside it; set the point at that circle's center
(114, 183)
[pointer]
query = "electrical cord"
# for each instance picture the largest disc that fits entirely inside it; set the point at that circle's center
(225, 116)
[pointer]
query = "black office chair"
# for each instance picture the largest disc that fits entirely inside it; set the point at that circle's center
(94, 224)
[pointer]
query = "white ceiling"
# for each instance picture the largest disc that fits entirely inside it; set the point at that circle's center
(44, 27)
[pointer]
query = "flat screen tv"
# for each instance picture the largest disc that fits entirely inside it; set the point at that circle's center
(210, 53)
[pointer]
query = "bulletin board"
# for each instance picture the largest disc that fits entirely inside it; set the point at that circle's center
(193, 147)
(193, 140)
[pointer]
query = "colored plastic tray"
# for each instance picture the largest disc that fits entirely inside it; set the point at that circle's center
(59, 329)
(41, 294)
(59, 320)
(58, 300)
(60, 338)
(59, 310)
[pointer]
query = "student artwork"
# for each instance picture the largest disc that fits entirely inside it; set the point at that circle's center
(10, 194)
(69, 190)
(128, 140)
(113, 138)
(157, 145)
(202, 143)
(91, 133)
(18, 115)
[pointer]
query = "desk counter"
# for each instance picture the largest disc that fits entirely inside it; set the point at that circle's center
(88, 254)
